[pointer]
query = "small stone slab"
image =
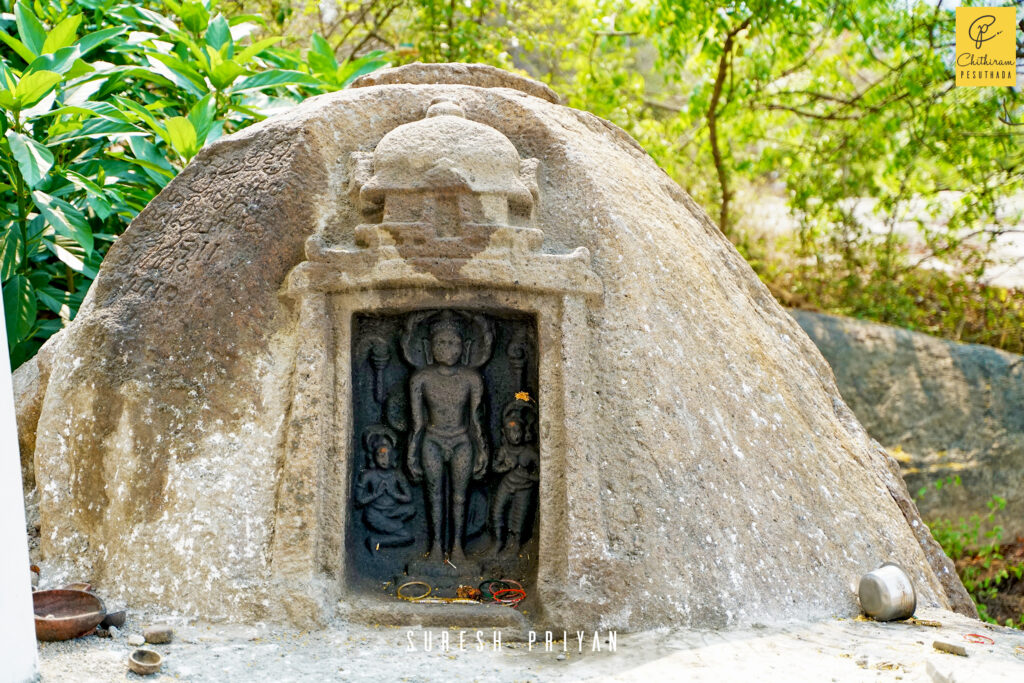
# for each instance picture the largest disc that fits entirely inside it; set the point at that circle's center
(158, 633)
(950, 648)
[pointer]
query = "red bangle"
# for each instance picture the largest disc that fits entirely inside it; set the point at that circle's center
(979, 639)
(520, 595)
(490, 583)
(513, 583)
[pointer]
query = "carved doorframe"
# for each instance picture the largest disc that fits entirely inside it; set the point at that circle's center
(308, 563)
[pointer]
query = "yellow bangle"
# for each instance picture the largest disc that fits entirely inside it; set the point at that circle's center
(414, 583)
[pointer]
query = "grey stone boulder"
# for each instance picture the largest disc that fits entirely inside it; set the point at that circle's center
(945, 409)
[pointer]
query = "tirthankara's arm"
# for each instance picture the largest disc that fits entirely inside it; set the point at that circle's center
(416, 401)
(476, 393)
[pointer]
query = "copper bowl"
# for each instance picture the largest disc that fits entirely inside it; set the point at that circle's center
(64, 614)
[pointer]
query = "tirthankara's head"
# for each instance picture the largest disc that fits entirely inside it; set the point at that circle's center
(446, 341)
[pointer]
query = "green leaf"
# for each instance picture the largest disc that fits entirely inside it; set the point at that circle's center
(59, 62)
(242, 18)
(34, 160)
(101, 207)
(41, 108)
(320, 46)
(55, 300)
(8, 81)
(216, 130)
(19, 47)
(182, 136)
(7, 100)
(151, 160)
(65, 219)
(34, 86)
(70, 259)
(91, 41)
(96, 197)
(219, 33)
(154, 170)
(201, 115)
(84, 183)
(139, 111)
(321, 56)
(19, 308)
(194, 16)
(259, 46)
(178, 72)
(30, 30)
(79, 68)
(10, 252)
(92, 108)
(63, 34)
(224, 74)
(274, 77)
(358, 67)
(48, 327)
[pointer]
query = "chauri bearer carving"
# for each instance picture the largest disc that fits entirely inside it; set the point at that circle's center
(383, 491)
(519, 461)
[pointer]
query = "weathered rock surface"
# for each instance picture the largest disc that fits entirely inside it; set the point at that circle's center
(479, 75)
(30, 381)
(835, 650)
(952, 409)
(698, 465)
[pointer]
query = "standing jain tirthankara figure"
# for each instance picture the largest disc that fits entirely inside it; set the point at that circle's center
(447, 435)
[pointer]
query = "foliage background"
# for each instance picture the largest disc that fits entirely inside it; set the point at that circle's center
(104, 102)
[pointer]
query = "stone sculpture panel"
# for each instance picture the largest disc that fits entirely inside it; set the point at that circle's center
(445, 412)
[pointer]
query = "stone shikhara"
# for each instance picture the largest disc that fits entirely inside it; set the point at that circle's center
(205, 436)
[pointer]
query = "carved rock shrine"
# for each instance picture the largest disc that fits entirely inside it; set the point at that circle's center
(438, 327)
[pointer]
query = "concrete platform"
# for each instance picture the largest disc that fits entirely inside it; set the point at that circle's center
(831, 650)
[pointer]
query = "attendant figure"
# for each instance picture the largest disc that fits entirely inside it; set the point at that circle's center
(383, 490)
(520, 463)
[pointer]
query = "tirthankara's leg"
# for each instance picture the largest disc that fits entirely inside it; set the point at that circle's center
(433, 473)
(462, 470)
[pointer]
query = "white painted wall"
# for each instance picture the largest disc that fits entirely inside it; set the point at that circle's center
(18, 661)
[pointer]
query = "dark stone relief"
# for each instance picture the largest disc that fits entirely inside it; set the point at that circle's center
(445, 480)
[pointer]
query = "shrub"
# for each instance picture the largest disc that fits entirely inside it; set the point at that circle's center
(103, 103)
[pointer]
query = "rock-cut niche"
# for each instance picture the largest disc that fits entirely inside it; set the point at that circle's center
(445, 418)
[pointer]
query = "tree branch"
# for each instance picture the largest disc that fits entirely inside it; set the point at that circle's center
(712, 116)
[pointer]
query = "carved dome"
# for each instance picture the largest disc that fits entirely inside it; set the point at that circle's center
(445, 152)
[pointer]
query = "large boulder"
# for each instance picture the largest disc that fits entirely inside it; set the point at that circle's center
(697, 464)
(948, 410)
